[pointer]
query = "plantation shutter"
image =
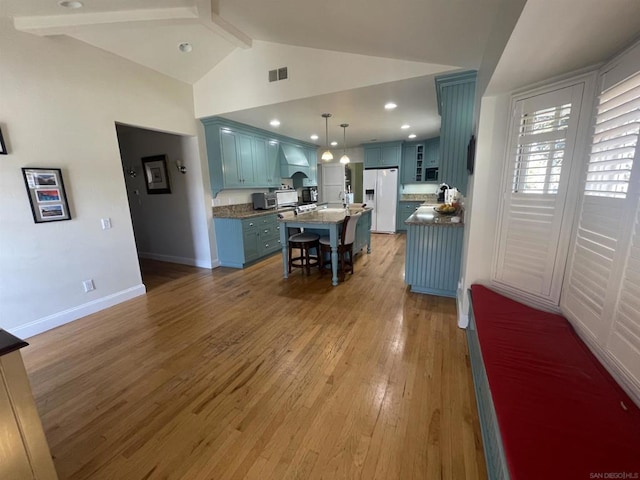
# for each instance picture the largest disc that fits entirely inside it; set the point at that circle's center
(602, 285)
(533, 242)
(595, 271)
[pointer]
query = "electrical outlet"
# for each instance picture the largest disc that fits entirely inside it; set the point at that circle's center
(88, 285)
(106, 223)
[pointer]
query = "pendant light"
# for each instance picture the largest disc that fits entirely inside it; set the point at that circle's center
(344, 158)
(326, 156)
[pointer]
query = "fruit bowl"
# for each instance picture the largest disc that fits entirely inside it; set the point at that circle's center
(446, 209)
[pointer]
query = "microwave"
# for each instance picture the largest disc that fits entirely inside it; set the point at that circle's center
(264, 201)
(431, 174)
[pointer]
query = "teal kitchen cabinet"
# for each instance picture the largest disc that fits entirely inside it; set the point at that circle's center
(413, 163)
(229, 159)
(382, 155)
(432, 152)
(265, 157)
(241, 156)
(404, 210)
(246, 161)
(242, 242)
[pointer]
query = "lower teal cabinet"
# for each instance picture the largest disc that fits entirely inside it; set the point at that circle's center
(244, 241)
(404, 210)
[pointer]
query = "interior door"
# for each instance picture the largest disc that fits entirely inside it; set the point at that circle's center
(332, 191)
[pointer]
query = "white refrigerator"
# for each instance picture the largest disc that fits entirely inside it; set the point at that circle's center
(381, 192)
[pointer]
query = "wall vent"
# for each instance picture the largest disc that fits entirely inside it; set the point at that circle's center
(278, 74)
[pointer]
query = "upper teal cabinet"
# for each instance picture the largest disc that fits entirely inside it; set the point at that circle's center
(241, 156)
(432, 152)
(417, 157)
(382, 154)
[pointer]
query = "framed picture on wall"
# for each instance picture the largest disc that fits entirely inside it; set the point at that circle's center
(3, 148)
(47, 195)
(155, 174)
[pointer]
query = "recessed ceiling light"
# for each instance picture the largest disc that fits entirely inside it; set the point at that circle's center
(333, 144)
(405, 126)
(185, 47)
(71, 4)
(413, 135)
(390, 106)
(314, 137)
(274, 123)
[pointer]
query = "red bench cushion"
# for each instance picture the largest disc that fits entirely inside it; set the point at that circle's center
(560, 413)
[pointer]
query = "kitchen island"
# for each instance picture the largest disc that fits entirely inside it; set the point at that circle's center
(434, 246)
(326, 221)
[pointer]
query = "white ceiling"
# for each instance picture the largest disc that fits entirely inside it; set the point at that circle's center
(551, 35)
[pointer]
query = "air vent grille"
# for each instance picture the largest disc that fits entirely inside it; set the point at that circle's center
(278, 74)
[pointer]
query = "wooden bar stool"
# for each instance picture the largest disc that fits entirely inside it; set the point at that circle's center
(305, 242)
(345, 247)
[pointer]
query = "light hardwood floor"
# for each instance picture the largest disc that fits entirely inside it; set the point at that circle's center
(242, 374)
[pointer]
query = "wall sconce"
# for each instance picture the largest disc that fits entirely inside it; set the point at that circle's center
(181, 167)
(131, 171)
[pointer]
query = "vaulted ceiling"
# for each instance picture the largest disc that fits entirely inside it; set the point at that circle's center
(550, 38)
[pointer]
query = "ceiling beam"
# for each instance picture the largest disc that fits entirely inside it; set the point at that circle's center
(219, 25)
(63, 24)
(203, 13)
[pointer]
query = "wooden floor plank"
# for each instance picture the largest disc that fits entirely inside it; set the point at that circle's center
(241, 374)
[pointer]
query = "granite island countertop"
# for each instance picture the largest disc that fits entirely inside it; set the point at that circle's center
(322, 216)
(245, 210)
(425, 215)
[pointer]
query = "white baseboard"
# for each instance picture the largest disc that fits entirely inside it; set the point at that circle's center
(66, 316)
(194, 262)
(463, 320)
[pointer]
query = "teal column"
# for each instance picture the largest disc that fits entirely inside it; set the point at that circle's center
(456, 100)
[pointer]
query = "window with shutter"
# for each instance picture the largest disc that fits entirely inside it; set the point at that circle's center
(601, 292)
(615, 140)
(532, 241)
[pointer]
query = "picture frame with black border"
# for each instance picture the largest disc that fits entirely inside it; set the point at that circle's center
(47, 195)
(471, 155)
(3, 147)
(156, 175)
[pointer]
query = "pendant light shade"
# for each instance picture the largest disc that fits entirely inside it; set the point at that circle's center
(327, 155)
(344, 158)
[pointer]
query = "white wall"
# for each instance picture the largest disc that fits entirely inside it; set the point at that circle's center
(59, 99)
(483, 198)
(168, 227)
(240, 80)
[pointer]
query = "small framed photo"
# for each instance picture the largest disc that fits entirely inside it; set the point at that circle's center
(46, 194)
(155, 174)
(3, 148)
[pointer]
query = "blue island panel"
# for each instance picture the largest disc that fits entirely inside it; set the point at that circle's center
(433, 259)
